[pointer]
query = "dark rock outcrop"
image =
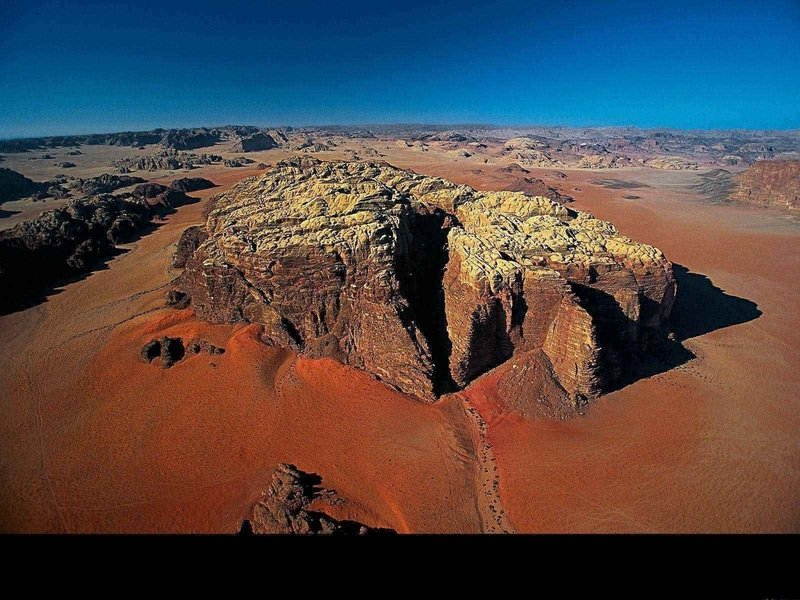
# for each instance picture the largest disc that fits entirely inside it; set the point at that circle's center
(69, 241)
(166, 160)
(189, 139)
(191, 184)
(286, 508)
(238, 161)
(15, 185)
(106, 183)
(171, 350)
(255, 143)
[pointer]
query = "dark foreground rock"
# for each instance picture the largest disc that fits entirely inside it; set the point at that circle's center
(14, 186)
(285, 508)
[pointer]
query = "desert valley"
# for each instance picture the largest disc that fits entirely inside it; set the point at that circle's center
(408, 328)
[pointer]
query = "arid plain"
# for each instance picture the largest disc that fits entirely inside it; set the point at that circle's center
(96, 440)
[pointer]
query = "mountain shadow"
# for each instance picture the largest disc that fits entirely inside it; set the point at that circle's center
(700, 307)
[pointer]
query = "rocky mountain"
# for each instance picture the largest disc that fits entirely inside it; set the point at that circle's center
(191, 184)
(255, 143)
(773, 183)
(176, 139)
(427, 284)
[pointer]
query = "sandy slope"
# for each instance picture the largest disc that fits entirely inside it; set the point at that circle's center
(95, 440)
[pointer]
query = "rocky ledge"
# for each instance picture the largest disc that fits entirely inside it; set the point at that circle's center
(427, 284)
(286, 508)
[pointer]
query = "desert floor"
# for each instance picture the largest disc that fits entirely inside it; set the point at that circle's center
(93, 439)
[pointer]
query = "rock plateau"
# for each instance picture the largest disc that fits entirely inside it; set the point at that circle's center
(427, 284)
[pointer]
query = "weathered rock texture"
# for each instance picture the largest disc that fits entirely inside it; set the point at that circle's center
(424, 283)
(68, 241)
(774, 183)
(166, 160)
(285, 508)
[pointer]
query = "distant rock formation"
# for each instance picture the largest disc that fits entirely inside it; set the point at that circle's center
(68, 241)
(183, 139)
(166, 160)
(286, 508)
(255, 143)
(674, 163)
(424, 283)
(603, 161)
(238, 161)
(15, 185)
(191, 184)
(105, 183)
(513, 169)
(773, 183)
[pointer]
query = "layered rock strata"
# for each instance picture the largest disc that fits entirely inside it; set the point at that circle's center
(424, 283)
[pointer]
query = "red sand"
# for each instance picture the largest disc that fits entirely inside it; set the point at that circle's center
(708, 446)
(93, 439)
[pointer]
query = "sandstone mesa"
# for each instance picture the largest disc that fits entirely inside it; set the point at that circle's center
(427, 284)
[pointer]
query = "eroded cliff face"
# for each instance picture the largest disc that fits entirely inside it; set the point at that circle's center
(774, 183)
(424, 283)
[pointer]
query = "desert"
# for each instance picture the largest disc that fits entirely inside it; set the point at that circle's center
(404, 269)
(100, 436)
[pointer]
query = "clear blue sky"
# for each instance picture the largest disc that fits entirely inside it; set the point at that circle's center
(77, 67)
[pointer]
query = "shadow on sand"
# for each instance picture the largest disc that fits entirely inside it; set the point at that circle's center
(700, 308)
(50, 275)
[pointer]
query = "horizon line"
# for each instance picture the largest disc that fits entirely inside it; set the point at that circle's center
(455, 125)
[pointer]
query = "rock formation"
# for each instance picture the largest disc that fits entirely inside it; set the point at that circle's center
(68, 241)
(255, 143)
(424, 283)
(106, 183)
(15, 185)
(166, 160)
(286, 508)
(191, 184)
(238, 161)
(169, 351)
(674, 163)
(774, 183)
(183, 139)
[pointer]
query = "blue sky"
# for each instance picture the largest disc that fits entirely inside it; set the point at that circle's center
(78, 67)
